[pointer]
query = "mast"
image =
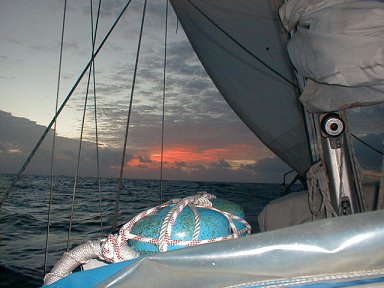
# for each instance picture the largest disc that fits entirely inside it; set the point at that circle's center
(337, 154)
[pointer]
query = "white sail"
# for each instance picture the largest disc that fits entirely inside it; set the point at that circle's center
(241, 45)
(339, 46)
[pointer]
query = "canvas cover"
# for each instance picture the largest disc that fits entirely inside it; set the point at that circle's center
(338, 249)
(339, 46)
(300, 207)
(291, 209)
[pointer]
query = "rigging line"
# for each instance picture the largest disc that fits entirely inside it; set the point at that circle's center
(163, 112)
(81, 134)
(308, 118)
(243, 47)
(315, 137)
(78, 159)
(94, 34)
(368, 145)
(341, 164)
(54, 142)
(120, 187)
(356, 169)
(380, 197)
(47, 129)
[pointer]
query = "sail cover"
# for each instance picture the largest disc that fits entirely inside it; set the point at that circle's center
(337, 252)
(339, 46)
(240, 43)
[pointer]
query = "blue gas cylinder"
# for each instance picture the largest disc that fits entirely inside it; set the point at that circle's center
(212, 225)
(233, 208)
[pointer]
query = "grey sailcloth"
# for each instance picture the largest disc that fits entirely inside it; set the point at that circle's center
(240, 43)
(339, 46)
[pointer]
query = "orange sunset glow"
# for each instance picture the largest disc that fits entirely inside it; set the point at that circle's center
(195, 155)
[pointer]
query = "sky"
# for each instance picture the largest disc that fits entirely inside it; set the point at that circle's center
(204, 140)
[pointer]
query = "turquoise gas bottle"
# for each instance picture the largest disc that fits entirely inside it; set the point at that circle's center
(190, 224)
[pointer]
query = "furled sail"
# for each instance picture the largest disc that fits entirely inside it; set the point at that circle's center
(339, 46)
(241, 45)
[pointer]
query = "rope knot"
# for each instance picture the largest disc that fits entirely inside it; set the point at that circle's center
(114, 249)
(202, 199)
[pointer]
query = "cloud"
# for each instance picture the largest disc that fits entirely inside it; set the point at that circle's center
(221, 164)
(367, 120)
(193, 106)
(367, 124)
(20, 135)
(370, 159)
(188, 161)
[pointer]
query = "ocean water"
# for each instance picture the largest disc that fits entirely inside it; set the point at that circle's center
(23, 222)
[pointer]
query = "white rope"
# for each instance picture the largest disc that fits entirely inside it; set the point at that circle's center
(72, 259)
(196, 231)
(110, 250)
(114, 249)
(199, 200)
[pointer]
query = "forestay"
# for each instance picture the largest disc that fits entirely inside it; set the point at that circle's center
(240, 44)
(339, 46)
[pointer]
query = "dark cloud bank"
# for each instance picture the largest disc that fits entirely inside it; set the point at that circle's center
(19, 135)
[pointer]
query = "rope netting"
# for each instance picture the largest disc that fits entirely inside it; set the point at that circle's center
(201, 200)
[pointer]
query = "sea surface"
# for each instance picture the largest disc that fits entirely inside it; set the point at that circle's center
(24, 216)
